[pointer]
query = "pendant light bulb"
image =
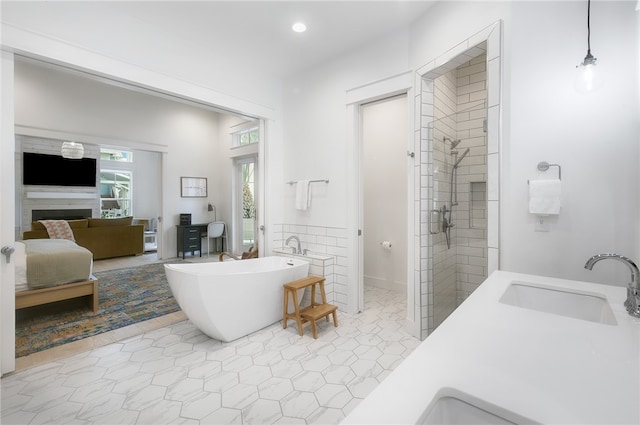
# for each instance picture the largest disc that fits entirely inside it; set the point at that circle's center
(588, 78)
(588, 74)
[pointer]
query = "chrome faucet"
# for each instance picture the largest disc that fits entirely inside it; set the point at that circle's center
(633, 290)
(295, 238)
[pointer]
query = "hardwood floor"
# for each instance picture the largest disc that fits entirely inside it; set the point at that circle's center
(107, 337)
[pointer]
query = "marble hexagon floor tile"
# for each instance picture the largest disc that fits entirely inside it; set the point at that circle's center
(176, 374)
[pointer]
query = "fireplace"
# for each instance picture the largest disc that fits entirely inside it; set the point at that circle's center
(67, 214)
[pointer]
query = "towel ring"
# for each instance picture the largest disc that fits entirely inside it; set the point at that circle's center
(544, 166)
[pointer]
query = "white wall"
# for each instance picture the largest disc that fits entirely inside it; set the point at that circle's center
(315, 134)
(594, 138)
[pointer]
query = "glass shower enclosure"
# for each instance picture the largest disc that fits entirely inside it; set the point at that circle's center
(458, 208)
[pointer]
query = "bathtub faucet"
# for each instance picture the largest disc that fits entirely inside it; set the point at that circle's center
(633, 289)
(295, 238)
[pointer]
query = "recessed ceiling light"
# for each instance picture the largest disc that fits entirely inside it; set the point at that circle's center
(299, 27)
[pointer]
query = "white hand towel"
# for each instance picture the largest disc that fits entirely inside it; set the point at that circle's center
(303, 195)
(545, 196)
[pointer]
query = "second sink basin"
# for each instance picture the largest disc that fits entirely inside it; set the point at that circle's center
(564, 302)
(452, 407)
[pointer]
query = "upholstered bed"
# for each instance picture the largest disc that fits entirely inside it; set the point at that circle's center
(49, 270)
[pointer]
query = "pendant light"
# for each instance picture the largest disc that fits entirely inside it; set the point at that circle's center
(587, 78)
(72, 150)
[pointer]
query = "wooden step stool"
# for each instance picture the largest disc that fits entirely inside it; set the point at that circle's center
(311, 313)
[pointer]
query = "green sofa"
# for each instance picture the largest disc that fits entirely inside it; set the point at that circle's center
(104, 237)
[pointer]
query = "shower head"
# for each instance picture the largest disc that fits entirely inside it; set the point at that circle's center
(453, 143)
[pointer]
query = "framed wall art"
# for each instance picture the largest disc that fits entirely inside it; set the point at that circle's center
(193, 187)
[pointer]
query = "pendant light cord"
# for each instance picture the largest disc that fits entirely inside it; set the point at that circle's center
(589, 59)
(589, 27)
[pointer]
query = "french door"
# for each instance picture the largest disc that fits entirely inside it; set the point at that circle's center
(245, 202)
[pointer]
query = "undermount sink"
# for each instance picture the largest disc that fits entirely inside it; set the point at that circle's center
(453, 407)
(587, 306)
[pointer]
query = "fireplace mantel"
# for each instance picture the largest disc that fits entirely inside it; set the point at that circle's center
(62, 195)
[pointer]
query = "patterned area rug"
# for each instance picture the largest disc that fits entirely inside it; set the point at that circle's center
(127, 296)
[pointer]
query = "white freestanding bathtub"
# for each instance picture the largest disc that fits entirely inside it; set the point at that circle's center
(231, 299)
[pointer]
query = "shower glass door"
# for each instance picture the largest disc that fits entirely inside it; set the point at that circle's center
(443, 229)
(454, 193)
(457, 226)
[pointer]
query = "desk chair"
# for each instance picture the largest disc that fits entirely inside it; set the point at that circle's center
(215, 230)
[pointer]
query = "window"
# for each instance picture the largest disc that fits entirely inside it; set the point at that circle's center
(115, 155)
(246, 137)
(115, 193)
(116, 171)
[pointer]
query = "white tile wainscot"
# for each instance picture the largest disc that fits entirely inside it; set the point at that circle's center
(319, 265)
(321, 241)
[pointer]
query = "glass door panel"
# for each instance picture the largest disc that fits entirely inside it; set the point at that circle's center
(115, 194)
(246, 198)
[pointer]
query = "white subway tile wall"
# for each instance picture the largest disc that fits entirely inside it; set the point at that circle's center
(470, 215)
(327, 255)
(453, 102)
(459, 110)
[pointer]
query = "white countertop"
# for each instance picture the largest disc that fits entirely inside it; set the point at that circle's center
(544, 367)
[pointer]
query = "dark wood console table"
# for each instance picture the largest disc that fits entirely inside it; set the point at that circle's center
(190, 238)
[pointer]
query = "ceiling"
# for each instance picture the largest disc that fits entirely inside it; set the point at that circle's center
(259, 32)
(255, 33)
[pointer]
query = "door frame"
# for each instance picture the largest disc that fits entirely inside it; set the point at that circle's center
(356, 97)
(7, 215)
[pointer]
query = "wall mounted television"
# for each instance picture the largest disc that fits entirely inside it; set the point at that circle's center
(54, 170)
